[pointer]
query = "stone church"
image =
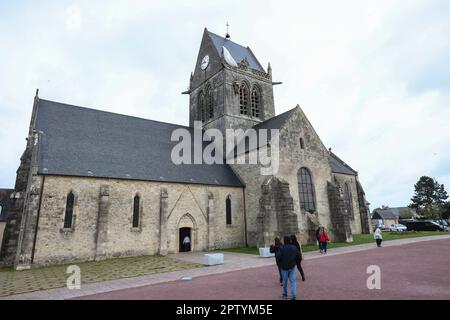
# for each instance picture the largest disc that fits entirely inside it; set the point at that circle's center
(93, 185)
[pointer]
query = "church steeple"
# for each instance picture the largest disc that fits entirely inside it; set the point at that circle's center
(229, 87)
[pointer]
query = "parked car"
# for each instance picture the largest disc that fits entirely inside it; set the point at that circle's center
(397, 227)
(424, 225)
(381, 226)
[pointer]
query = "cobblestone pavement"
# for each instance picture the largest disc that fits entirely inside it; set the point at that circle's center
(91, 272)
(233, 262)
(418, 270)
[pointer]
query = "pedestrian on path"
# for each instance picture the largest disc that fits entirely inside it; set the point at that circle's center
(274, 249)
(288, 257)
(300, 256)
(378, 237)
(323, 240)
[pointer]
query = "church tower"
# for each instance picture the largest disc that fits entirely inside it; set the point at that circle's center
(229, 89)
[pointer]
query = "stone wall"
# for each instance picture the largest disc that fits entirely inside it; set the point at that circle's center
(95, 237)
(276, 217)
(355, 215)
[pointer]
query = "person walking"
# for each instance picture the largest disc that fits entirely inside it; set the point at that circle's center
(378, 236)
(300, 256)
(323, 240)
(288, 257)
(274, 249)
(187, 244)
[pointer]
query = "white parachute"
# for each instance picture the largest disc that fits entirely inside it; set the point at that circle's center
(228, 58)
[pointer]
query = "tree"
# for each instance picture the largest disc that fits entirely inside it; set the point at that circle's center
(429, 197)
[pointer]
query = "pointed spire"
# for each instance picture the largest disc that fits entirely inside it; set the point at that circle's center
(269, 69)
(192, 77)
(227, 35)
(37, 93)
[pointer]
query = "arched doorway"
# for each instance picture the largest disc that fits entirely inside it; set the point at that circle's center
(186, 228)
(185, 239)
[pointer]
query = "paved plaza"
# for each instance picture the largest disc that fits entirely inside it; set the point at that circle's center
(412, 271)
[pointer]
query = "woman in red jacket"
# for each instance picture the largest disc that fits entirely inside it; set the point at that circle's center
(323, 240)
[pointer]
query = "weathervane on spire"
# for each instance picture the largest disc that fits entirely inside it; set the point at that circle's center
(227, 35)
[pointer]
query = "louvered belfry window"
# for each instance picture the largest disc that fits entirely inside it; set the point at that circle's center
(243, 99)
(256, 101)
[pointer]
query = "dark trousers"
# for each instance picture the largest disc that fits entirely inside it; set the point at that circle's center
(378, 242)
(323, 246)
(300, 269)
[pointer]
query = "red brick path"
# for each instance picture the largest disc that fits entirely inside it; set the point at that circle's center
(413, 271)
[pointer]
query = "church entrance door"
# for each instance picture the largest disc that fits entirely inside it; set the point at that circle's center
(185, 240)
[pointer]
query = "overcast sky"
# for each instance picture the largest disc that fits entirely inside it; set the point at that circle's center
(373, 77)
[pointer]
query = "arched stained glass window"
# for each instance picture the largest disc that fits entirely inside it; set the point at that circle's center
(306, 190)
(136, 209)
(228, 210)
(68, 216)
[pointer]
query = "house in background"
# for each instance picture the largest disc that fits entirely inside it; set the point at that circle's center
(384, 216)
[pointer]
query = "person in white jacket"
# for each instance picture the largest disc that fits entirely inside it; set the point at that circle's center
(378, 237)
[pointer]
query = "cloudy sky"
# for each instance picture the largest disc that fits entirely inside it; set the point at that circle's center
(372, 76)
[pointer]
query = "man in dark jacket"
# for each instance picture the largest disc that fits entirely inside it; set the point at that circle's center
(287, 256)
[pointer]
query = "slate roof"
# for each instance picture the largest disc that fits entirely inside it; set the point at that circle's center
(384, 214)
(77, 141)
(237, 51)
(339, 166)
(397, 210)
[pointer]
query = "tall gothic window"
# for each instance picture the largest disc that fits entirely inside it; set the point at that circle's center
(243, 99)
(228, 210)
(68, 216)
(210, 103)
(201, 107)
(306, 190)
(348, 201)
(136, 208)
(256, 101)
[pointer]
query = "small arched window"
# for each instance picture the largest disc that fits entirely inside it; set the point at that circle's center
(201, 107)
(228, 210)
(210, 104)
(68, 216)
(256, 102)
(348, 200)
(1, 209)
(306, 190)
(136, 209)
(243, 99)
(302, 144)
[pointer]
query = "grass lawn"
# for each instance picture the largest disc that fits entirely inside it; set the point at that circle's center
(357, 239)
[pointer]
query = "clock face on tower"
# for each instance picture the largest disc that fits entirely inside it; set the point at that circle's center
(205, 62)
